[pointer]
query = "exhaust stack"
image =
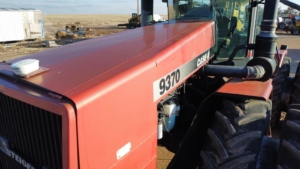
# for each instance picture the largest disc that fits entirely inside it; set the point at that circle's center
(266, 40)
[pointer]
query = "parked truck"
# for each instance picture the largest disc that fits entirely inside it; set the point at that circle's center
(208, 85)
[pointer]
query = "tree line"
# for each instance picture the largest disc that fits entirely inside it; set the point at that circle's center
(289, 10)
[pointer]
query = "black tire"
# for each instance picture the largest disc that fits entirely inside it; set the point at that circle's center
(278, 86)
(235, 137)
(281, 25)
(295, 94)
(289, 148)
(295, 31)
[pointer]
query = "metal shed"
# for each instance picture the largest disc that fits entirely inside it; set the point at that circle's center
(20, 24)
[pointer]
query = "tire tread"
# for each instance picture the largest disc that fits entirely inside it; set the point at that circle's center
(236, 134)
(278, 85)
(289, 148)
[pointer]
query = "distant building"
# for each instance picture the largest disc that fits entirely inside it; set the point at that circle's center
(18, 24)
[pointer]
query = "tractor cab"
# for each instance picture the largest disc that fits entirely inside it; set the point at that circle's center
(233, 20)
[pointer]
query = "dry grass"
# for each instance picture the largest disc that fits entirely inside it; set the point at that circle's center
(49, 36)
(1, 47)
(17, 46)
(59, 21)
(39, 40)
(85, 20)
(55, 22)
(61, 34)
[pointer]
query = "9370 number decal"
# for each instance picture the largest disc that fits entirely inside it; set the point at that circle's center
(169, 81)
(176, 76)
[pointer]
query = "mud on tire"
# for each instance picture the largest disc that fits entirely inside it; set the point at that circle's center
(289, 148)
(236, 134)
(278, 85)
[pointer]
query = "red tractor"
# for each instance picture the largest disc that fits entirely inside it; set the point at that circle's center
(207, 84)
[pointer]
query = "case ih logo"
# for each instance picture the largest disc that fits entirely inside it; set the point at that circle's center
(4, 147)
(204, 57)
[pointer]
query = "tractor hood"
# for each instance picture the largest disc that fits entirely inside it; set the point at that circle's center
(97, 60)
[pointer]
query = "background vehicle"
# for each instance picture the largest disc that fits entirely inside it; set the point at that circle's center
(133, 22)
(294, 25)
(282, 21)
(72, 31)
(208, 84)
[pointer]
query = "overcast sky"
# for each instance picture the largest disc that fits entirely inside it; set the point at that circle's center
(283, 6)
(86, 6)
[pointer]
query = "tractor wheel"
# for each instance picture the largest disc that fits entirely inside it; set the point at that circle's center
(281, 25)
(278, 85)
(289, 148)
(295, 31)
(235, 136)
(295, 95)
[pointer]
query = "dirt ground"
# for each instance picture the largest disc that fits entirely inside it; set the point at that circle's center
(107, 24)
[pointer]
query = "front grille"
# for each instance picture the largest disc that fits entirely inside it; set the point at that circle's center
(34, 135)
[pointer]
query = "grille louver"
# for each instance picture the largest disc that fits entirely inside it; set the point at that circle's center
(33, 134)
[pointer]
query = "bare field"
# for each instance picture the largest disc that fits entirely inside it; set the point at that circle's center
(86, 20)
(54, 22)
(100, 24)
(107, 24)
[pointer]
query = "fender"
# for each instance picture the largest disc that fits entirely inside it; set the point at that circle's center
(246, 89)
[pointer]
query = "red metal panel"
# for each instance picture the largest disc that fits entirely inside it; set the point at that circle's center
(74, 65)
(240, 88)
(119, 105)
(133, 160)
(118, 112)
